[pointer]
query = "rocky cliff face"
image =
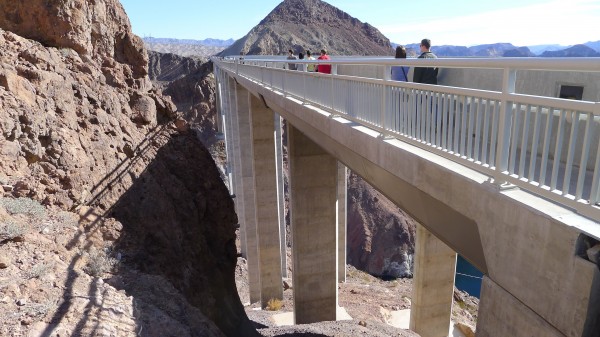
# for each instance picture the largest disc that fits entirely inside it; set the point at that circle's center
(381, 237)
(76, 100)
(190, 83)
(67, 121)
(311, 25)
(98, 29)
(82, 125)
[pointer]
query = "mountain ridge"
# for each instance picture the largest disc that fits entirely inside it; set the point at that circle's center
(205, 42)
(211, 46)
(311, 25)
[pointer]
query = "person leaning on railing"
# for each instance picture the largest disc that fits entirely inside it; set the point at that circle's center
(291, 56)
(400, 73)
(324, 68)
(426, 75)
(311, 66)
(301, 66)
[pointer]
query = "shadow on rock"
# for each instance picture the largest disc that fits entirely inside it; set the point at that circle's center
(178, 223)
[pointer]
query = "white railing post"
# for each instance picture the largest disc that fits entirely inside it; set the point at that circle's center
(304, 75)
(283, 78)
(504, 126)
(387, 75)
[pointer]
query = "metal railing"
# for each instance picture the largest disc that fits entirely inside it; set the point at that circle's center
(545, 145)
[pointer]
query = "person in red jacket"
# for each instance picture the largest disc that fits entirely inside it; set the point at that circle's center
(324, 68)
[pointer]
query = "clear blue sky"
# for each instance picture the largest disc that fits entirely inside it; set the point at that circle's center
(456, 22)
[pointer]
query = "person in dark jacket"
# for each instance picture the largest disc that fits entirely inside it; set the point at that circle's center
(426, 75)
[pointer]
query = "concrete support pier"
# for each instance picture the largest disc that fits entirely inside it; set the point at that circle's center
(313, 187)
(246, 166)
(342, 188)
(280, 192)
(267, 216)
(433, 285)
(234, 167)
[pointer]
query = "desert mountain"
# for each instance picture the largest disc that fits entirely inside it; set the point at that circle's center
(594, 45)
(190, 83)
(518, 52)
(311, 25)
(578, 50)
(206, 42)
(484, 50)
(194, 48)
(82, 129)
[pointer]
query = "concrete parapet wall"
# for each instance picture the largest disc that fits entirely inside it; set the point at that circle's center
(501, 314)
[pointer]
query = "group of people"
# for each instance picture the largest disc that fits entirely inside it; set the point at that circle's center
(322, 68)
(399, 73)
(421, 74)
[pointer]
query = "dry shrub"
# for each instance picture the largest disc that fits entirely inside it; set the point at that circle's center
(12, 230)
(24, 206)
(98, 263)
(40, 270)
(274, 304)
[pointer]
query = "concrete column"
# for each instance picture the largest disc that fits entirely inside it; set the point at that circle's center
(280, 192)
(342, 189)
(433, 285)
(248, 195)
(267, 216)
(232, 141)
(313, 192)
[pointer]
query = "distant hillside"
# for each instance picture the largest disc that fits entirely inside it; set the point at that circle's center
(199, 48)
(540, 48)
(519, 52)
(313, 25)
(484, 50)
(594, 45)
(578, 50)
(589, 49)
(205, 42)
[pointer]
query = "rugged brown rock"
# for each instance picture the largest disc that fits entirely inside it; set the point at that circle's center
(190, 83)
(311, 25)
(64, 123)
(381, 237)
(98, 28)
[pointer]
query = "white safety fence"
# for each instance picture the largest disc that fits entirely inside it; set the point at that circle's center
(545, 145)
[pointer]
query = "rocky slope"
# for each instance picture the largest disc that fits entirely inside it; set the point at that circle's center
(311, 25)
(381, 237)
(190, 83)
(83, 129)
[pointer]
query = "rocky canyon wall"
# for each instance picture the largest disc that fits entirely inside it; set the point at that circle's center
(83, 127)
